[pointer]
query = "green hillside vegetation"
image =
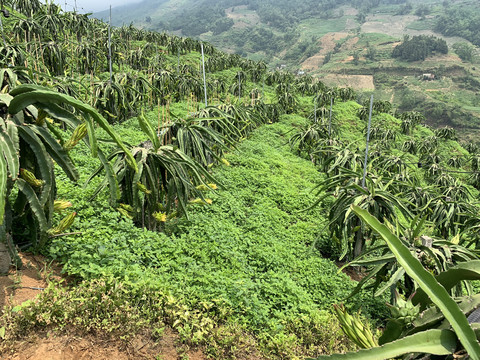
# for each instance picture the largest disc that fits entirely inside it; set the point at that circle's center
(225, 223)
(461, 20)
(297, 35)
(418, 48)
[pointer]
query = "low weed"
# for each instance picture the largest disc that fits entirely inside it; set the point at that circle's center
(241, 275)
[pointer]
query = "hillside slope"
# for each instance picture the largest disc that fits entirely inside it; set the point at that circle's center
(346, 43)
(225, 222)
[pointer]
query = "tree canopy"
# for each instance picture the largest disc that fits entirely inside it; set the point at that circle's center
(419, 47)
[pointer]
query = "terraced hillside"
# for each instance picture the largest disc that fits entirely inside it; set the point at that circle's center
(357, 38)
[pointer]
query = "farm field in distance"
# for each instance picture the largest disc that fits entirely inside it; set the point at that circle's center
(358, 38)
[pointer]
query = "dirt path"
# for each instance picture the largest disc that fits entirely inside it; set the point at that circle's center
(25, 284)
(392, 97)
(21, 285)
(357, 82)
(94, 348)
(327, 44)
(396, 26)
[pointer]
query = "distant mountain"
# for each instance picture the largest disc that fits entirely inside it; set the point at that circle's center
(344, 43)
(132, 13)
(261, 29)
(292, 31)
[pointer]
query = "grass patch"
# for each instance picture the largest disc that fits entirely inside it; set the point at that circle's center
(375, 39)
(472, 108)
(320, 27)
(425, 24)
(249, 256)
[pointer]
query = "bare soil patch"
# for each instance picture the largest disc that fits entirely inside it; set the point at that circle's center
(350, 43)
(327, 44)
(350, 24)
(329, 40)
(313, 63)
(242, 19)
(26, 283)
(355, 273)
(393, 25)
(442, 59)
(350, 11)
(396, 26)
(357, 82)
(68, 347)
(347, 59)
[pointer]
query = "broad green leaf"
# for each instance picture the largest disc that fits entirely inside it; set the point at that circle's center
(427, 282)
(392, 332)
(111, 179)
(12, 132)
(148, 130)
(57, 152)
(3, 187)
(60, 114)
(12, 249)
(26, 88)
(433, 314)
(8, 149)
(5, 99)
(22, 100)
(92, 139)
(45, 164)
(32, 199)
(437, 342)
(137, 178)
(393, 280)
(448, 279)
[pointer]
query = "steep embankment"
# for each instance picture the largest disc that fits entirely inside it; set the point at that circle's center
(246, 263)
(252, 247)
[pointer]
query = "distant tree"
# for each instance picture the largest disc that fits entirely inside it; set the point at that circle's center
(222, 25)
(327, 58)
(465, 51)
(422, 10)
(289, 36)
(405, 9)
(440, 71)
(162, 26)
(328, 14)
(371, 53)
(419, 47)
(410, 99)
(148, 19)
(356, 57)
(361, 17)
(462, 21)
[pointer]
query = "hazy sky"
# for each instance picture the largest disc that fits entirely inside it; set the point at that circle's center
(92, 5)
